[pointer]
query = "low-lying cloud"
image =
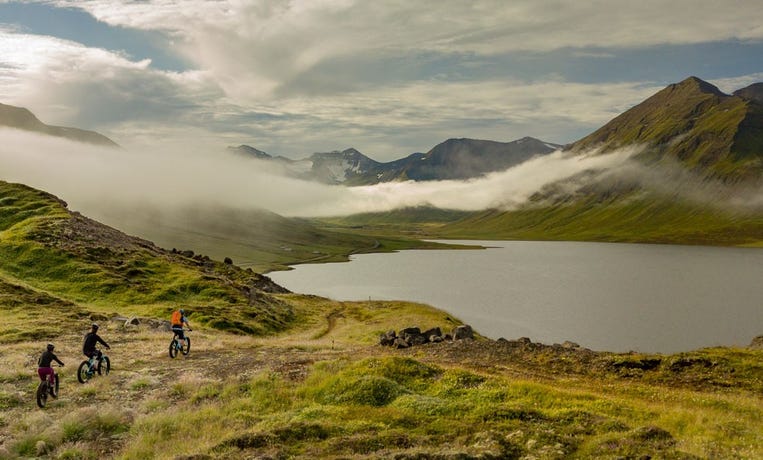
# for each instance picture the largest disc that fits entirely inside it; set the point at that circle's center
(93, 180)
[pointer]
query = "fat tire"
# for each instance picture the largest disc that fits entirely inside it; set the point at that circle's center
(173, 348)
(104, 366)
(54, 388)
(187, 348)
(42, 394)
(82, 376)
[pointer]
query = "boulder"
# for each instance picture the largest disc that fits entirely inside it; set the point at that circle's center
(400, 343)
(757, 343)
(387, 339)
(463, 332)
(571, 345)
(429, 333)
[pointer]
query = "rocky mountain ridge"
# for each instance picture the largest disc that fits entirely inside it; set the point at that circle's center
(454, 159)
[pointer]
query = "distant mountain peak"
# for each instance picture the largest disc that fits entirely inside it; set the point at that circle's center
(24, 119)
(250, 151)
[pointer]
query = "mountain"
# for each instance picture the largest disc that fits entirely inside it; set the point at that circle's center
(468, 158)
(693, 123)
(21, 118)
(697, 180)
(452, 159)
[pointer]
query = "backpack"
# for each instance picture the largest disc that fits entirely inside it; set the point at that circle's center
(177, 318)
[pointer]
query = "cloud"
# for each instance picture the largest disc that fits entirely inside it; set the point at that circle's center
(64, 82)
(256, 51)
(92, 179)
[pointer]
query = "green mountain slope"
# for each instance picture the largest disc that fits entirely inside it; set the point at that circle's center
(712, 134)
(21, 118)
(633, 217)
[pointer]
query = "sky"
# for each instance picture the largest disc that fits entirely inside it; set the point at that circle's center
(388, 78)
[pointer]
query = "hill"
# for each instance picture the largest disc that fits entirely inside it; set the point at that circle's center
(21, 118)
(273, 374)
(452, 159)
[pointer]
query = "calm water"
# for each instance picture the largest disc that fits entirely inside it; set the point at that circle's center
(616, 297)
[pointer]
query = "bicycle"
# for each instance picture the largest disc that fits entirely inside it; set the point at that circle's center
(89, 367)
(177, 346)
(46, 388)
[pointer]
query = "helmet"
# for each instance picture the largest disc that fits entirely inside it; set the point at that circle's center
(95, 327)
(182, 311)
(51, 347)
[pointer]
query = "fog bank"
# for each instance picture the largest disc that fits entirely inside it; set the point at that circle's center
(91, 178)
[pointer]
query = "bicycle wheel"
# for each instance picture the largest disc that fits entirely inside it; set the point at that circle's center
(54, 387)
(187, 348)
(82, 372)
(173, 348)
(42, 393)
(104, 366)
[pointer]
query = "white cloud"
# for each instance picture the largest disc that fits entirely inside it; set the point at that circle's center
(64, 82)
(174, 177)
(253, 47)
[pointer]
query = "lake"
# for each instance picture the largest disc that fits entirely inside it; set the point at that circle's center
(603, 296)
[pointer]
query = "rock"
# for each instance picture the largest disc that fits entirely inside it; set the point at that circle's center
(571, 345)
(228, 261)
(413, 336)
(757, 343)
(400, 343)
(387, 339)
(435, 331)
(524, 340)
(132, 322)
(435, 339)
(120, 319)
(463, 332)
(409, 330)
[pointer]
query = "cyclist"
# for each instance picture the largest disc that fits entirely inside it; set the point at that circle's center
(177, 320)
(44, 369)
(91, 339)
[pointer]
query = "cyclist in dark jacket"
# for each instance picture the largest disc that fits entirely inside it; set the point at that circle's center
(91, 339)
(44, 369)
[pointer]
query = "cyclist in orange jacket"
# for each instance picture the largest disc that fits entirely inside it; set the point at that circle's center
(177, 321)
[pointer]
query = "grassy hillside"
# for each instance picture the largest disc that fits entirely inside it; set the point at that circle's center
(636, 217)
(279, 375)
(63, 258)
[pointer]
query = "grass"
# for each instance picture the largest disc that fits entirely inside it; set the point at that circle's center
(320, 391)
